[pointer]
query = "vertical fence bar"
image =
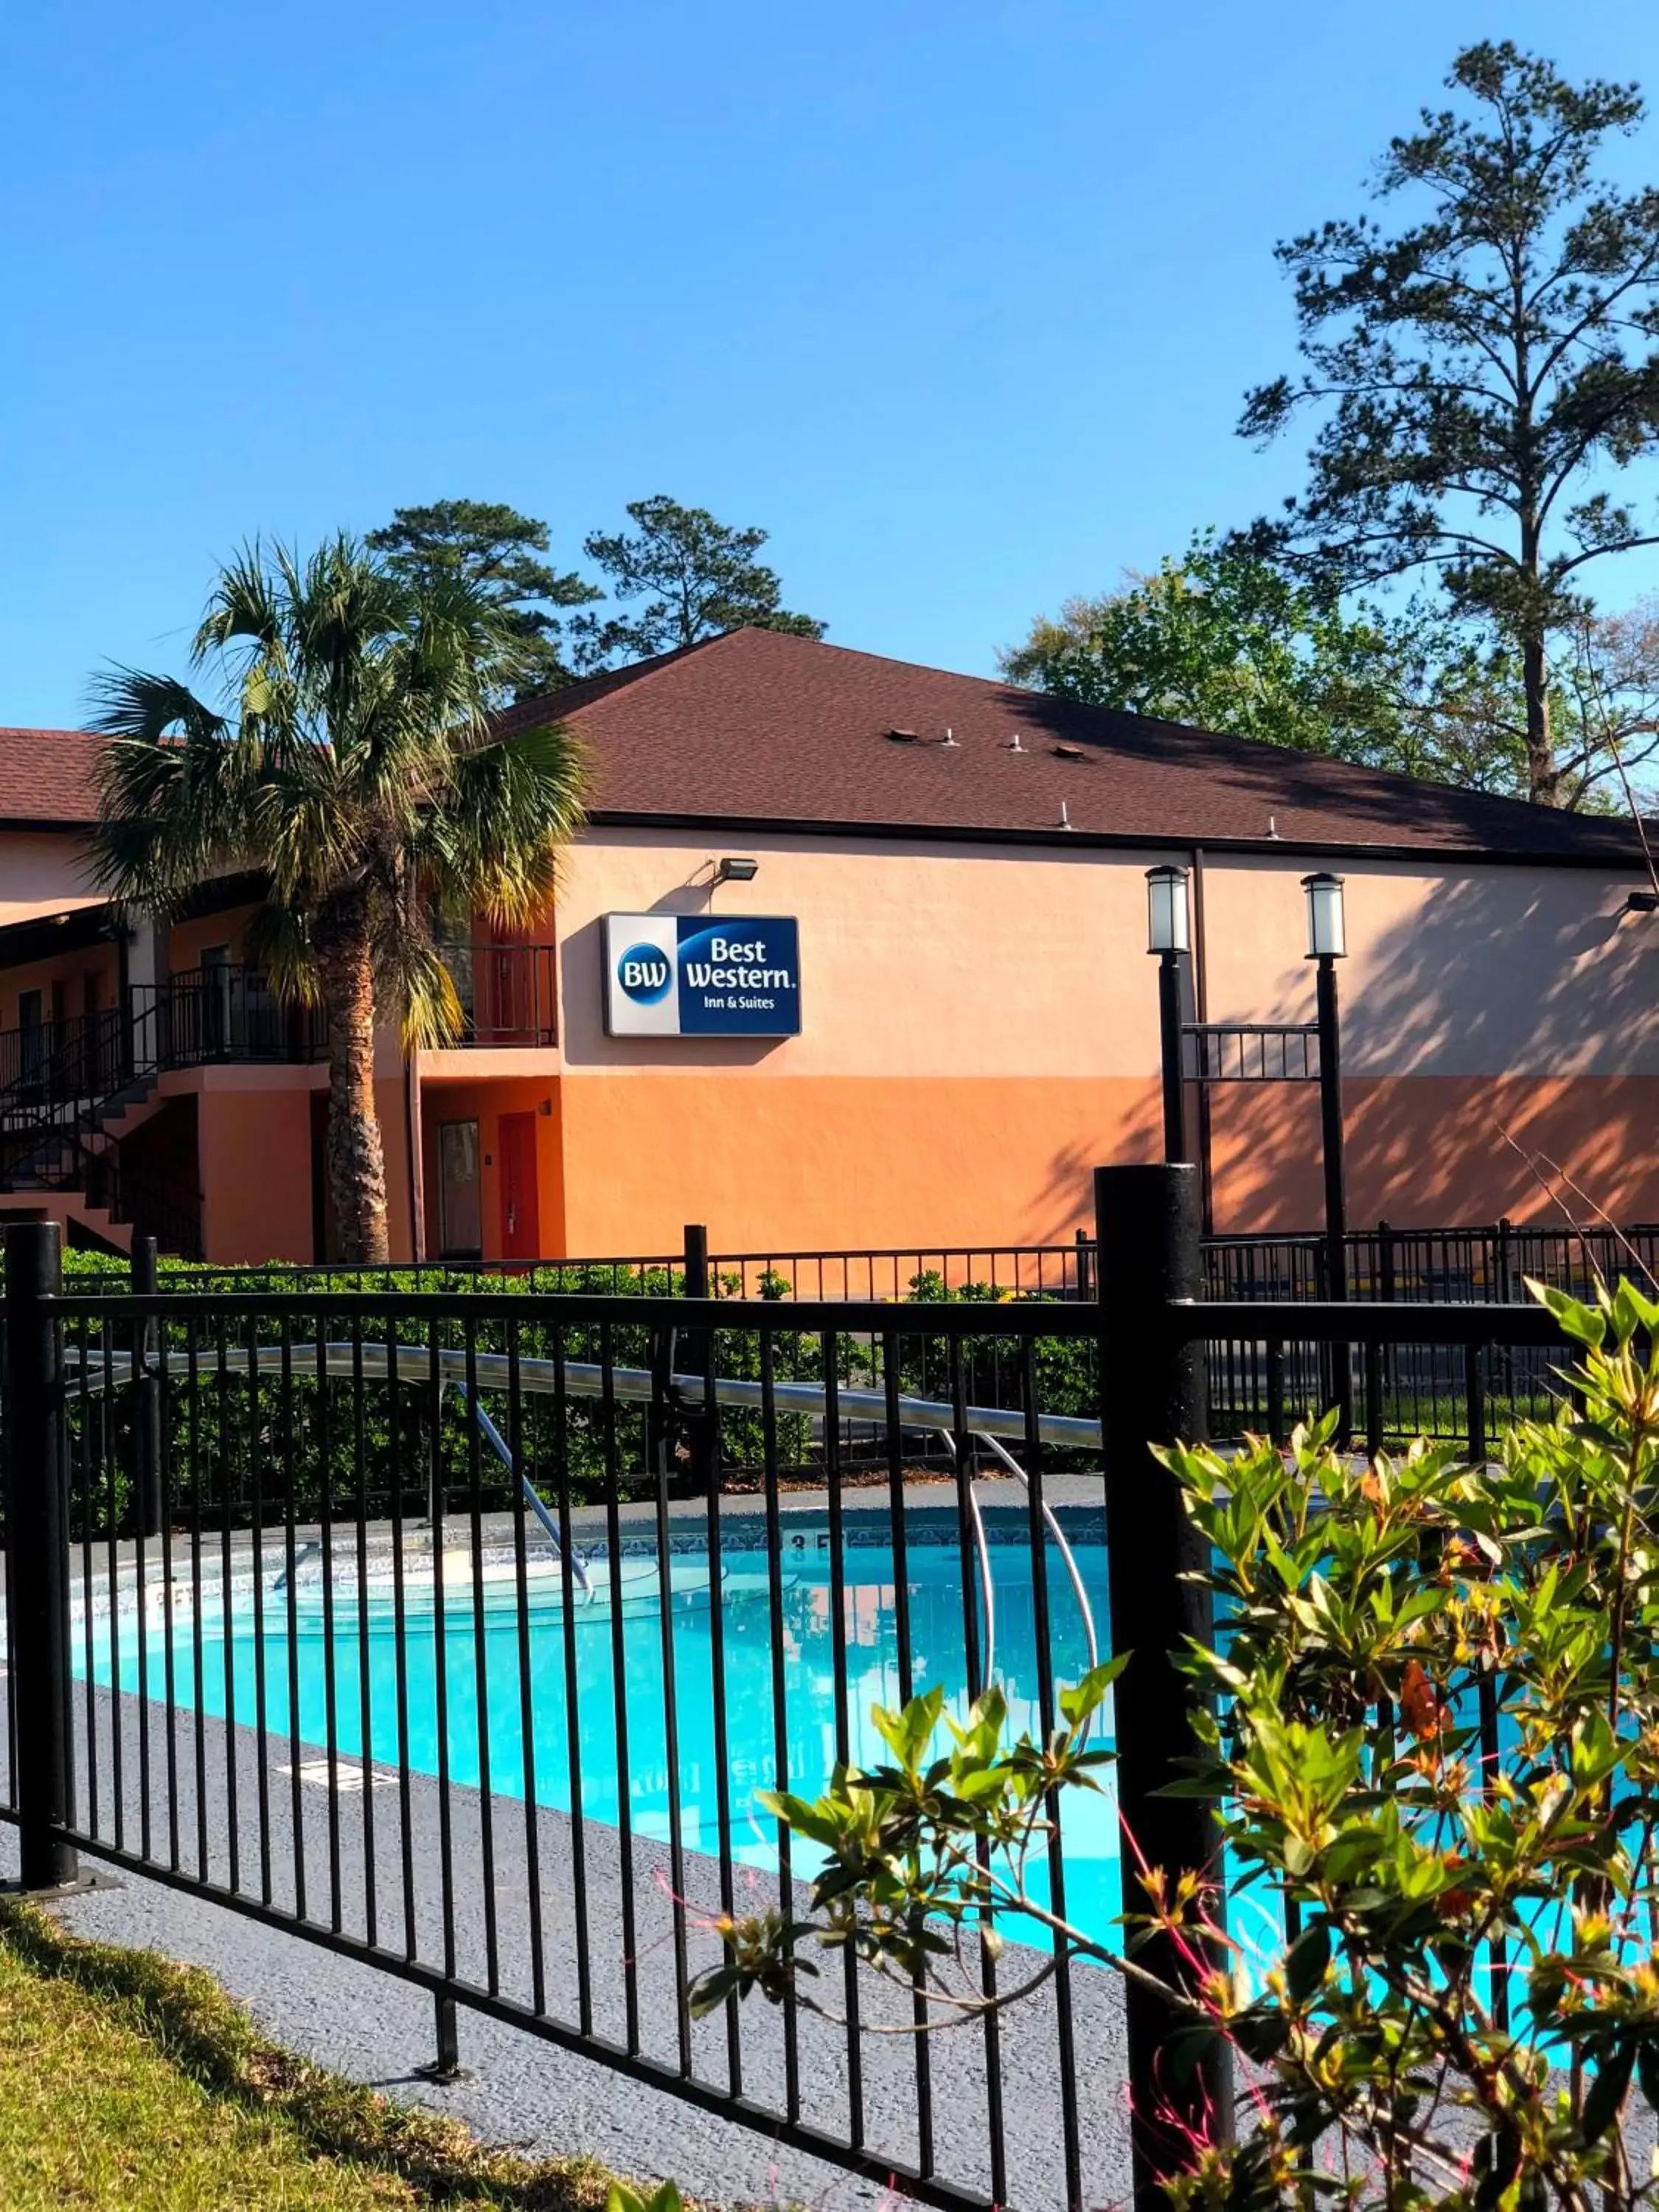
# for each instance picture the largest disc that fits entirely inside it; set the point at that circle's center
(891, 1360)
(722, 1742)
(662, 1455)
(1486, 1693)
(533, 1854)
(1151, 1391)
(972, 1552)
(1037, 1538)
(146, 1398)
(37, 1563)
(93, 1412)
(572, 1696)
(829, 1356)
(630, 1948)
(480, 1662)
(1373, 1399)
(779, 1693)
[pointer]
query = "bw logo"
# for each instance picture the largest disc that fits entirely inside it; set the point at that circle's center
(645, 973)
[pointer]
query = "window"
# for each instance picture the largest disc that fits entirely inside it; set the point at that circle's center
(461, 1201)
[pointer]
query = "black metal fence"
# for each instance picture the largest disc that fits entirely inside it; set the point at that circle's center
(1261, 1382)
(427, 1626)
(1488, 1263)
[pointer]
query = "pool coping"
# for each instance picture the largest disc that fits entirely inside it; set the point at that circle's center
(930, 1515)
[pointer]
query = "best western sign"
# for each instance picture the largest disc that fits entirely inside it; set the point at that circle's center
(682, 975)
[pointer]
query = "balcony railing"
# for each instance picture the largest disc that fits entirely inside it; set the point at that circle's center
(201, 1016)
(204, 1016)
(509, 994)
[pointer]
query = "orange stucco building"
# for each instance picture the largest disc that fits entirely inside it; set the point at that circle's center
(964, 865)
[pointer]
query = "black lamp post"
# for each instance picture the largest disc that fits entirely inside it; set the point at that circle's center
(1168, 937)
(1328, 943)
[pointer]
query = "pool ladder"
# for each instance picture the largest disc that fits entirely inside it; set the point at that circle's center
(982, 1552)
(532, 1498)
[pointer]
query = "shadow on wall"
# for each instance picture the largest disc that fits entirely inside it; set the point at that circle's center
(1065, 1202)
(1507, 1005)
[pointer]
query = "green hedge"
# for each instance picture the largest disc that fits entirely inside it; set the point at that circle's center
(234, 1447)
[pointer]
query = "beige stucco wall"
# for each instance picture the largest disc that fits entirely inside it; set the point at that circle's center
(41, 871)
(980, 1030)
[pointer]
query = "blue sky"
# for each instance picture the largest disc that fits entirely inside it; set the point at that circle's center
(957, 300)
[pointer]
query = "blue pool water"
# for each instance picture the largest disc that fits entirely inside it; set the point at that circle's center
(871, 1621)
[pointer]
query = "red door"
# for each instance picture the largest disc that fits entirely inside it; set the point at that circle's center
(521, 1226)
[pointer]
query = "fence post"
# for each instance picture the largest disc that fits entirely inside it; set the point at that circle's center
(147, 1398)
(702, 1442)
(37, 1555)
(1151, 1391)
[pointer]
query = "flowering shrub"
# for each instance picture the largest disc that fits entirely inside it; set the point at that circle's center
(1435, 1758)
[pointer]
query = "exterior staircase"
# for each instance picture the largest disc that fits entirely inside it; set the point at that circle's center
(70, 1091)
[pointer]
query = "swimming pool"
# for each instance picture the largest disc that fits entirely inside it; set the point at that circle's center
(298, 1656)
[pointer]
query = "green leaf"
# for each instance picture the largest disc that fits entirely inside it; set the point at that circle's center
(1607, 2092)
(1308, 1958)
(1584, 1324)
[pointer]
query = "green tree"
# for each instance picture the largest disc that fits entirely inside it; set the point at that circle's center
(697, 576)
(1474, 373)
(498, 552)
(347, 755)
(1225, 640)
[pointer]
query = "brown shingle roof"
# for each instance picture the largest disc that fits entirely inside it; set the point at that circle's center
(46, 776)
(761, 728)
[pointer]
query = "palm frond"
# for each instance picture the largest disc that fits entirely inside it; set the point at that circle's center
(170, 810)
(277, 940)
(246, 608)
(512, 805)
(409, 975)
(128, 703)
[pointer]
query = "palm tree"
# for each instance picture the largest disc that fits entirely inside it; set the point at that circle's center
(348, 758)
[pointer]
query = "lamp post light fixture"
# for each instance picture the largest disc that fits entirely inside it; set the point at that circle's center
(1167, 926)
(1168, 937)
(1327, 938)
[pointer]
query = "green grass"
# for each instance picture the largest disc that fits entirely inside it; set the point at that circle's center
(131, 2084)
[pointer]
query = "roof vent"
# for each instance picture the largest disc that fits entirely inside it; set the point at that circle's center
(1065, 817)
(1014, 745)
(1273, 826)
(1064, 751)
(905, 737)
(949, 739)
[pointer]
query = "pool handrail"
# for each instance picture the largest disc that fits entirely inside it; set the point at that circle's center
(585, 1378)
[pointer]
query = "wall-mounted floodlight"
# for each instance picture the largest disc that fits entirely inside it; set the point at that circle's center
(1166, 910)
(1326, 939)
(737, 870)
